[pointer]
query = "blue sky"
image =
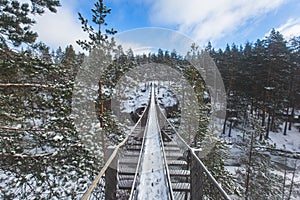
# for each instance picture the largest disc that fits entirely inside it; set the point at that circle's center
(218, 21)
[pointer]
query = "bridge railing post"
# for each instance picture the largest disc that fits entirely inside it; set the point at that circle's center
(196, 178)
(111, 179)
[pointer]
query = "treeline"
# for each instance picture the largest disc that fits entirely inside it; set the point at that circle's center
(262, 78)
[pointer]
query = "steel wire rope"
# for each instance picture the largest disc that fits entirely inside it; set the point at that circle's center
(209, 175)
(109, 161)
(165, 163)
(140, 158)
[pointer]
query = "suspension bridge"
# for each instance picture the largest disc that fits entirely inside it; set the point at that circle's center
(154, 162)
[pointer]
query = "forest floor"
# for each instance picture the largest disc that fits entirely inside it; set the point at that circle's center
(283, 151)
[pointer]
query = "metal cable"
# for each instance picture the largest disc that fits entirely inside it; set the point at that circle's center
(109, 161)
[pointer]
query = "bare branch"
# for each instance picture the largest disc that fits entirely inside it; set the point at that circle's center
(27, 85)
(28, 156)
(32, 130)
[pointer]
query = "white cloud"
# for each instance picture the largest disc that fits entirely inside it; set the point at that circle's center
(290, 29)
(150, 39)
(137, 48)
(59, 29)
(209, 20)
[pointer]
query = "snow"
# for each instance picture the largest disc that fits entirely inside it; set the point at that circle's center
(166, 97)
(134, 99)
(58, 137)
(269, 88)
(289, 142)
(277, 141)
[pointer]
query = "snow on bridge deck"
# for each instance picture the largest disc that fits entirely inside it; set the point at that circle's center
(153, 182)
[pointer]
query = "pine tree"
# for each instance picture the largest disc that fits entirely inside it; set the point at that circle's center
(15, 29)
(213, 150)
(41, 154)
(97, 36)
(256, 177)
(16, 22)
(294, 77)
(99, 67)
(278, 73)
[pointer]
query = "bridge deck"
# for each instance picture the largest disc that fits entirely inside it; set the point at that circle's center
(152, 180)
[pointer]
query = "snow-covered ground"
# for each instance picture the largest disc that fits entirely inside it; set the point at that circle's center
(283, 150)
(289, 142)
(139, 97)
(135, 98)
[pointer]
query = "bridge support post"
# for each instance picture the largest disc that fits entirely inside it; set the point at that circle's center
(111, 174)
(196, 178)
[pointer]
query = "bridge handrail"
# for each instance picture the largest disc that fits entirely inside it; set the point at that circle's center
(138, 165)
(209, 175)
(166, 165)
(174, 129)
(111, 158)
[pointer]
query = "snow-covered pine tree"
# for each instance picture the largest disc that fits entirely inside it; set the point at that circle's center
(256, 177)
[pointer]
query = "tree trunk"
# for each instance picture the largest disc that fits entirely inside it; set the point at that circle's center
(249, 167)
(292, 117)
(224, 126)
(252, 105)
(273, 118)
(263, 118)
(260, 136)
(268, 127)
(101, 119)
(230, 126)
(286, 121)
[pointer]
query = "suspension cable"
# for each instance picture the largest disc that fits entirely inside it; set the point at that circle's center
(209, 175)
(111, 158)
